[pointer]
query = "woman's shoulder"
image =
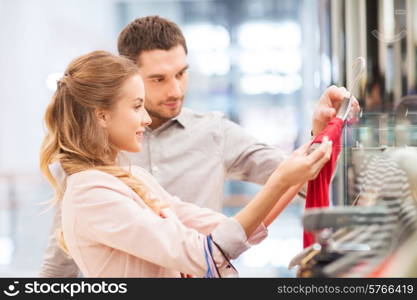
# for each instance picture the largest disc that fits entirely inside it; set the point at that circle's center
(93, 178)
(89, 174)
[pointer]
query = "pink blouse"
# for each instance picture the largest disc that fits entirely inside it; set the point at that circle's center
(111, 232)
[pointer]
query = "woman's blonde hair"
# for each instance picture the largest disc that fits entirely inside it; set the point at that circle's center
(74, 137)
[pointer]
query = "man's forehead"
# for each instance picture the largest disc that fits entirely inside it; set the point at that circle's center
(162, 61)
(162, 69)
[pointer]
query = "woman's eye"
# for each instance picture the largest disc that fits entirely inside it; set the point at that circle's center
(138, 107)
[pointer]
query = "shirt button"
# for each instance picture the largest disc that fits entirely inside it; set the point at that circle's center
(155, 169)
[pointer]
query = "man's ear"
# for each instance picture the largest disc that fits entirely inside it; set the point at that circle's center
(103, 117)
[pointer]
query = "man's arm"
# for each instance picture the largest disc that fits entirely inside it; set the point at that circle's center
(245, 158)
(248, 160)
(56, 263)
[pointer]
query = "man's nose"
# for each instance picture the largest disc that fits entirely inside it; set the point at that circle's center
(174, 89)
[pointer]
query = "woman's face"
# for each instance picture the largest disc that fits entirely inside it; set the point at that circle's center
(126, 121)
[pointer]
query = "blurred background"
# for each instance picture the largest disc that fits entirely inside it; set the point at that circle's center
(264, 63)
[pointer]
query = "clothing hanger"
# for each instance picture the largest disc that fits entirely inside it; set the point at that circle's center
(346, 105)
(360, 246)
(338, 242)
(377, 252)
(344, 216)
(359, 147)
(313, 263)
(347, 220)
(316, 247)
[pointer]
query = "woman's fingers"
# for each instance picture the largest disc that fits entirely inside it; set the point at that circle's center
(303, 149)
(320, 157)
(300, 167)
(320, 152)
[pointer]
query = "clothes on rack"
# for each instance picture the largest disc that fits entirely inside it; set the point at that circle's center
(384, 182)
(362, 242)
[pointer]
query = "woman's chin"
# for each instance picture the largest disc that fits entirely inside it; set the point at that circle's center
(135, 148)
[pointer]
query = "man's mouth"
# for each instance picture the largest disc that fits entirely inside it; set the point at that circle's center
(171, 104)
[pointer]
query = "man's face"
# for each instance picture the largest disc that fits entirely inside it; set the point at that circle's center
(165, 77)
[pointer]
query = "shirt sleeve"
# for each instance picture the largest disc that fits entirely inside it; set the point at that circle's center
(228, 233)
(105, 212)
(245, 158)
(203, 220)
(56, 263)
(230, 236)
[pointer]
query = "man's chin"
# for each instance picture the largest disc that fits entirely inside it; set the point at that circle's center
(173, 114)
(166, 114)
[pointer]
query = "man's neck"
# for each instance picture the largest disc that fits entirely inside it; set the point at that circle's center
(157, 122)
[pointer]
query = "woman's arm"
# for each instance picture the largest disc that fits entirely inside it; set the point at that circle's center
(204, 220)
(296, 169)
(282, 204)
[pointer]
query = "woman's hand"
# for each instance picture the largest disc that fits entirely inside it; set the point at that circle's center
(300, 167)
(296, 169)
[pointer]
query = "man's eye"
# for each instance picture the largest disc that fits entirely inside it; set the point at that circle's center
(138, 107)
(181, 74)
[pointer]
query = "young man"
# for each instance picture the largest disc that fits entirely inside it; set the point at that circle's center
(202, 150)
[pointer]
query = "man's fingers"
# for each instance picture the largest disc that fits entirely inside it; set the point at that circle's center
(354, 111)
(326, 113)
(355, 106)
(331, 112)
(335, 96)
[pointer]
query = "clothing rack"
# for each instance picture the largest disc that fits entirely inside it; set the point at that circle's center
(355, 241)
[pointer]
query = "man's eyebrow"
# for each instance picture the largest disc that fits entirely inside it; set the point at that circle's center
(184, 69)
(156, 75)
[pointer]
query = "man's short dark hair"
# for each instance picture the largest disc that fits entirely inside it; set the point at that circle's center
(149, 33)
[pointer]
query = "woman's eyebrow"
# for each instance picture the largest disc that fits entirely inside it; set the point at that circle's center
(138, 99)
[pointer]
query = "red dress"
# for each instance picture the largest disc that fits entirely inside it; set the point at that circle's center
(318, 189)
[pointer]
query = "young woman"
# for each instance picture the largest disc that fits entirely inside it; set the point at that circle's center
(118, 221)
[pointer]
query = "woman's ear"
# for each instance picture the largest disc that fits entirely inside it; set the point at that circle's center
(103, 117)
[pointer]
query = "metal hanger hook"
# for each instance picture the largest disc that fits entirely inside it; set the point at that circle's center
(358, 65)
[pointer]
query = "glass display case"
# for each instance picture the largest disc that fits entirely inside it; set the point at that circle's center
(374, 134)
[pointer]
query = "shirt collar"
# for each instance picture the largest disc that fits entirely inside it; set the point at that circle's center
(182, 119)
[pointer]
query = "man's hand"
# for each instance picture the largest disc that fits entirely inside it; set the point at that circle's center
(329, 105)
